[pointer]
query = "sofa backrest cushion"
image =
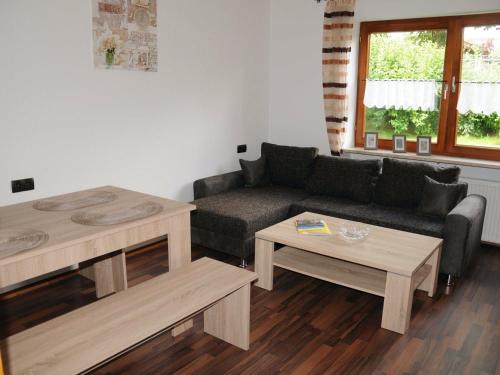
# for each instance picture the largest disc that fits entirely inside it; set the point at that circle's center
(289, 166)
(402, 182)
(344, 178)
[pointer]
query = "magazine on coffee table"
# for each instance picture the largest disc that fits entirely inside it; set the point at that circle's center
(312, 227)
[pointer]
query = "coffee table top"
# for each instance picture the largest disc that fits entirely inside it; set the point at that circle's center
(386, 249)
(118, 208)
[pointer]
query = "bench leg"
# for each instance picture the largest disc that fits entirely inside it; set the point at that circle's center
(264, 263)
(229, 319)
(110, 275)
(398, 301)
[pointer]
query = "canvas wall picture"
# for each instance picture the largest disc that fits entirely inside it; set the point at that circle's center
(125, 34)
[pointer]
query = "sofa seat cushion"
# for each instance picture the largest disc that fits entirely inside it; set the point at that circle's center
(390, 217)
(331, 206)
(242, 212)
(287, 165)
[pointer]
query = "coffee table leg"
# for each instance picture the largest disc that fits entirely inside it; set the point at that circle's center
(398, 301)
(430, 282)
(264, 263)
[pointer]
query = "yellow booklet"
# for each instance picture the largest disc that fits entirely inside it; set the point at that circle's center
(312, 227)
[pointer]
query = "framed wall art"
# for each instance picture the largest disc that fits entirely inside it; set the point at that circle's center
(125, 34)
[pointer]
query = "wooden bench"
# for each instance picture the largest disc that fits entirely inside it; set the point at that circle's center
(94, 334)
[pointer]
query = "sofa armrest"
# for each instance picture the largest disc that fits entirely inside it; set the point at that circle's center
(462, 234)
(218, 184)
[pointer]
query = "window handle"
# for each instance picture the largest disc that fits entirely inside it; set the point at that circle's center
(453, 85)
(445, 90)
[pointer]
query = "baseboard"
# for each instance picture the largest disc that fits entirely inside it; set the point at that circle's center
(494, 244)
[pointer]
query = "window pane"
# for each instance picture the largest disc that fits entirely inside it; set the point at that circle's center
(479, 101)
(404, 85)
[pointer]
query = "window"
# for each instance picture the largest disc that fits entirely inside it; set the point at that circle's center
(437, 77)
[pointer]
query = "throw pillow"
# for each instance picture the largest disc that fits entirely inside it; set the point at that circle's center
(254, 172)
(344, 178)
(402, 182)
(289, 166)
(439, 199)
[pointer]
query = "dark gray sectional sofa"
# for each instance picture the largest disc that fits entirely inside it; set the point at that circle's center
(388, 194)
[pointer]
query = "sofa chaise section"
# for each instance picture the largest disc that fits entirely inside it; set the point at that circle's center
(227, 221)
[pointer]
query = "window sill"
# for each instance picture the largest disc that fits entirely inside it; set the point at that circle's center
(433, 158)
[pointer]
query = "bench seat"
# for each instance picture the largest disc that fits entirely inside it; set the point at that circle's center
(96, 333)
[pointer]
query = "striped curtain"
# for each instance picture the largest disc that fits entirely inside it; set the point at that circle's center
(337, 42)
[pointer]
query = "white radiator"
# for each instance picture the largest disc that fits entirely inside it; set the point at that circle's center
(491, 191)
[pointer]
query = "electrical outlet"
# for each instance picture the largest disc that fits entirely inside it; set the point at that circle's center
(241, 149)
(23, 185)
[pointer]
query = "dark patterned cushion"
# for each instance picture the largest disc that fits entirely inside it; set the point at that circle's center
(255, 172)
(439, 199)
(402, 182)
(240, 213)
(344, 178)
(289, 166)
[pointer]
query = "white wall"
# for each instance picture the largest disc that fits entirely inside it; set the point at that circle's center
(296, 114)
(230, 72)
(71, 126)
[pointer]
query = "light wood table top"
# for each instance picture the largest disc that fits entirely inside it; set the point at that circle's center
(82, 241)
(385, 249)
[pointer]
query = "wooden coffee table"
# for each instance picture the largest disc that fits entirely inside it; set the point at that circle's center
(388, 263)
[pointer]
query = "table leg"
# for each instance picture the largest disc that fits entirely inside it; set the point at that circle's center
(179, 241)
(87, 271)
(430, 282)
(183, 327)
(264, 263)
(119, 268)
(398, 301)
(110, 275)
(179, 253)
(229, 319)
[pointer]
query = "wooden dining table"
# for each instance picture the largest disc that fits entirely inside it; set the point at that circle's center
(93, 228)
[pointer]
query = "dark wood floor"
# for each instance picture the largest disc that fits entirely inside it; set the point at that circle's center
(304, 326)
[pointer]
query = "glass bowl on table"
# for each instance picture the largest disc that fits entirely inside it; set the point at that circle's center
(353, 232)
